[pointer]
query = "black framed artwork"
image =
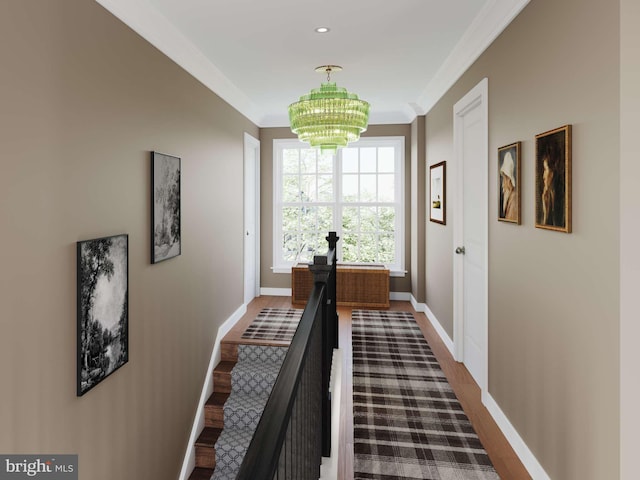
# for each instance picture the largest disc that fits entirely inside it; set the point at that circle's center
(165, 207)
(102, 309)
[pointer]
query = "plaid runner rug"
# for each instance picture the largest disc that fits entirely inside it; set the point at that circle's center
(408, 423)
(274, 324)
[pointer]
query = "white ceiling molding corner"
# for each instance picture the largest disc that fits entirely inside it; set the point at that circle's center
(274, 120)
(147, 22)
(406, 115)
(148, 19)
(494, 17)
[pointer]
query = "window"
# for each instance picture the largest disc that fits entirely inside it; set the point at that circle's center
(359, 193)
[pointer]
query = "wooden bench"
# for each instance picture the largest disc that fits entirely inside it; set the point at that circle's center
(361, 286)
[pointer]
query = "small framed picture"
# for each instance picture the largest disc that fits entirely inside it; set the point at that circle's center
(553, 179)
(509, 183)
(165, 207)
(438, 192)
(103, 309)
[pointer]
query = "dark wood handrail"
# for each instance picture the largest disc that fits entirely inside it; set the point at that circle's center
(263, 456)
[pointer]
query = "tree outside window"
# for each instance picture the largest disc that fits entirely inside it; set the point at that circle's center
(357, 193)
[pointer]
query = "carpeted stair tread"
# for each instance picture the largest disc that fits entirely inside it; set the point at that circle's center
(224, 474)
(231, 448)
(261, 353)
(244, 411)
(254, 378)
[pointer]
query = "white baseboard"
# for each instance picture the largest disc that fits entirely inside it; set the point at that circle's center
(189, 461)
(424, 308)
(527, 458)
(275, 292)
(520, 448)
(401, 296)
(418, 307)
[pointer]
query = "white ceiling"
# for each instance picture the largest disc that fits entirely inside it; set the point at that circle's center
(260, 56)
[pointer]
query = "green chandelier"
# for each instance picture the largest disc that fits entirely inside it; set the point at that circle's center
(329, 117)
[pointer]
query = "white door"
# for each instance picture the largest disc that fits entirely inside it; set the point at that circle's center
(471, 232)
(251, 218)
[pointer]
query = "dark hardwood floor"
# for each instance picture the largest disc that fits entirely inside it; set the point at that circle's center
(504, 459)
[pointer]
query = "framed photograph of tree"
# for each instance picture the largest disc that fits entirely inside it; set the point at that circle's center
(165, 207)
(103, 309)
(438, 192)
(553, 179)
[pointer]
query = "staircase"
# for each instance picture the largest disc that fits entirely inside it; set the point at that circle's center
(242, 383)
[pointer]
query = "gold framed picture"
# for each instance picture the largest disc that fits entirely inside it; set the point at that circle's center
(509, 183)
(553, 179)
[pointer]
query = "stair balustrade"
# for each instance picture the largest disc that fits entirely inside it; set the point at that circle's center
(294, 432)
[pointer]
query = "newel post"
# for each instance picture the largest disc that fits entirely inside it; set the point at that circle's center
(324, 272)
(332, 294)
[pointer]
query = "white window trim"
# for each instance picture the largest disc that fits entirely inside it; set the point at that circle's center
(398, 142)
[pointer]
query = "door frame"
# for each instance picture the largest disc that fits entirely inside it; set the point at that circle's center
(477, 97)
(251, 200)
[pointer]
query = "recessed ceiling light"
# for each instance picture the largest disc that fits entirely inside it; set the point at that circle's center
(322, 29)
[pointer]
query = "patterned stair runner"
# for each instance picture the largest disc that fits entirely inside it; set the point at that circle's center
(252, 379)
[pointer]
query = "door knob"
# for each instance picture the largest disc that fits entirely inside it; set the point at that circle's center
(460, 250)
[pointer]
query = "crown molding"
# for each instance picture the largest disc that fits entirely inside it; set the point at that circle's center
(151, 25)
(146, 21)
(493, 18)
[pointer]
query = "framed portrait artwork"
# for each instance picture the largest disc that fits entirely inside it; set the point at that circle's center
(438, 193)
(553, 179)
(165, 207)
(102, 309)
(509, 183)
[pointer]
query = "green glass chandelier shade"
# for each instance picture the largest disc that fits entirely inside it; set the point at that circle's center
(329, 117)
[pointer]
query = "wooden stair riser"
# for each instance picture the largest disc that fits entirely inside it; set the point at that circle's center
(214, 413)
(205, 457)
(214, 416)
(205, 447)
(229, 352)
(222, 377)
(214, 410)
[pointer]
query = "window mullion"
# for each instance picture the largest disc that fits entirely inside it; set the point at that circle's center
(371, 216)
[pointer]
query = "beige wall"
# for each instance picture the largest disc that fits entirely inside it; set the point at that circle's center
(629, 237)
(418, 208)
(83, 101)
(439, 238)
(268, 279)
(553, 297)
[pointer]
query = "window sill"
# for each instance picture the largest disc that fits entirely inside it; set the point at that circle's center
(398, 273)
(392, 273)
(281, 269)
